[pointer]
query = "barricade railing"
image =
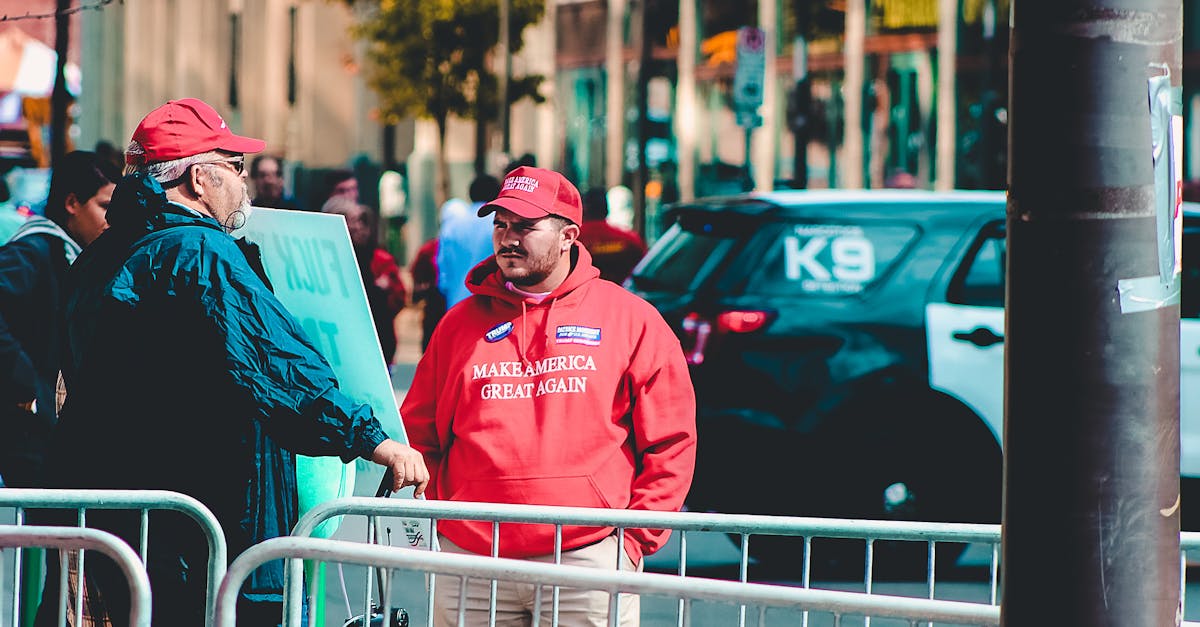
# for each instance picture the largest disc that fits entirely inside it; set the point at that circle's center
(743, 526)
(143, 501)
(614, 582)
(1188, 541)
(80, 538)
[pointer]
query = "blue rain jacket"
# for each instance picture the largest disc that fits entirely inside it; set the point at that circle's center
(186, 373)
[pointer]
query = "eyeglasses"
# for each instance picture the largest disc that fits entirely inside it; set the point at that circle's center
(237, 164)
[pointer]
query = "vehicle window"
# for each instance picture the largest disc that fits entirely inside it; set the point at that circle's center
(829, 259)
(980, 281)
(1190, 281)
(690, 250)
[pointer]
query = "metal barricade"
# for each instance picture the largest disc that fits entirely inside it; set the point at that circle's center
(144, 501)
(1188, 541)
(613, 582)
(744, 526)
(78, 538)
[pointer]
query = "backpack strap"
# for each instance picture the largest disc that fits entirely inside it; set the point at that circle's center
(38, 225)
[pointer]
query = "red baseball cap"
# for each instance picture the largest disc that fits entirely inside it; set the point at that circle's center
(182, 128)
(536, 193)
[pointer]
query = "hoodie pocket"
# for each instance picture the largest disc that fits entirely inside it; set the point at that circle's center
(574, 491)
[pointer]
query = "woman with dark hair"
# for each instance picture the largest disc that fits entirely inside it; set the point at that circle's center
(33, 269)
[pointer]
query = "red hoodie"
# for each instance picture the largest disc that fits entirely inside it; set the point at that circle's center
(583, 399)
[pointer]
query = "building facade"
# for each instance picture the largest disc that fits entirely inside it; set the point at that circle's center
(872, 110)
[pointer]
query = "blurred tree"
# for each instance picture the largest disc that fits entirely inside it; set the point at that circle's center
(430, 58)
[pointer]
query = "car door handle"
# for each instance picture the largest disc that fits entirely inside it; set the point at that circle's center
(981, 337)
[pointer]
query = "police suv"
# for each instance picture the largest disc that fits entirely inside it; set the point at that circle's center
(847, 351)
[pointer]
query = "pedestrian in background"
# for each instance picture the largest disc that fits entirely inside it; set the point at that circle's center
(339, 182)
(424, 277)
(33, 286)
(267, 173)
(187, 374)
(465, 240)
(380, 273)
(550, 387)
(615, 251)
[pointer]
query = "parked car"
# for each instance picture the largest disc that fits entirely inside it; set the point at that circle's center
(847, 352)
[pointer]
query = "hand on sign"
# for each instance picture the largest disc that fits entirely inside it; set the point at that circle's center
(407, 465)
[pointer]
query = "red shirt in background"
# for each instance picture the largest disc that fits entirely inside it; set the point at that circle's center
(614, 250)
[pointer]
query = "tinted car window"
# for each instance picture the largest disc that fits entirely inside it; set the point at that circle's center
(691, 250)
(828, 259)
(980, 281)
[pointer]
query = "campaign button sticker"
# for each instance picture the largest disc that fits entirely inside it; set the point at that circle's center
(499, 332)
(575, 334)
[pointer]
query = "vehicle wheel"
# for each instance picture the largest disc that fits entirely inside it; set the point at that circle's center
(947, 470)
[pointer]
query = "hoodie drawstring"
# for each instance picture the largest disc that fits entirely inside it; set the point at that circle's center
(549, 316)
(521, 338)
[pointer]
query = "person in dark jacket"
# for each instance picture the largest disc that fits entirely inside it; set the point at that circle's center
(33, 269)
(187, 374)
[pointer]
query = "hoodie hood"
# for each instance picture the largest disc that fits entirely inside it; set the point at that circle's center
(485, 278)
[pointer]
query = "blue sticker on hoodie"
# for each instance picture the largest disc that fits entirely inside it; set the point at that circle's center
(499, 332)
(575, 334)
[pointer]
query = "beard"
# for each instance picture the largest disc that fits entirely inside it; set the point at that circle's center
(237, 218)
(535, 269)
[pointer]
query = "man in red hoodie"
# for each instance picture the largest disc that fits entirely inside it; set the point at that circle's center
(549, 386)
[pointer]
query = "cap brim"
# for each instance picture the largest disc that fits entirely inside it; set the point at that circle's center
(237, 143)
(521, 207)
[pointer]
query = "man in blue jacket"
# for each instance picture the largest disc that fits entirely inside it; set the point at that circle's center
(186, 373)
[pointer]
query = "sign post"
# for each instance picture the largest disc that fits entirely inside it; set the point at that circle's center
(748, 86)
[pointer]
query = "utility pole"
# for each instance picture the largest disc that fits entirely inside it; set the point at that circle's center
(59, 97)
(1091, 510)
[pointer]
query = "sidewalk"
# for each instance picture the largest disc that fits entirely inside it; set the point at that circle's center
(408, 334)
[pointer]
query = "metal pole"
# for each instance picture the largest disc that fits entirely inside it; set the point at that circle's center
(1091, 512)
(685, 100)
(748, 170)
(801, 110)
(765, 149)
(852, 94)
(59, 97)
(947, 135)
(505, 74)
(614, 70)
(643, 126)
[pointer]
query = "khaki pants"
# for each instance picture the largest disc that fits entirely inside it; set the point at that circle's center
(515, 601)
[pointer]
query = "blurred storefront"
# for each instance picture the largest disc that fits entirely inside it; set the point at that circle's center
(897, 97)
(289, 71)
